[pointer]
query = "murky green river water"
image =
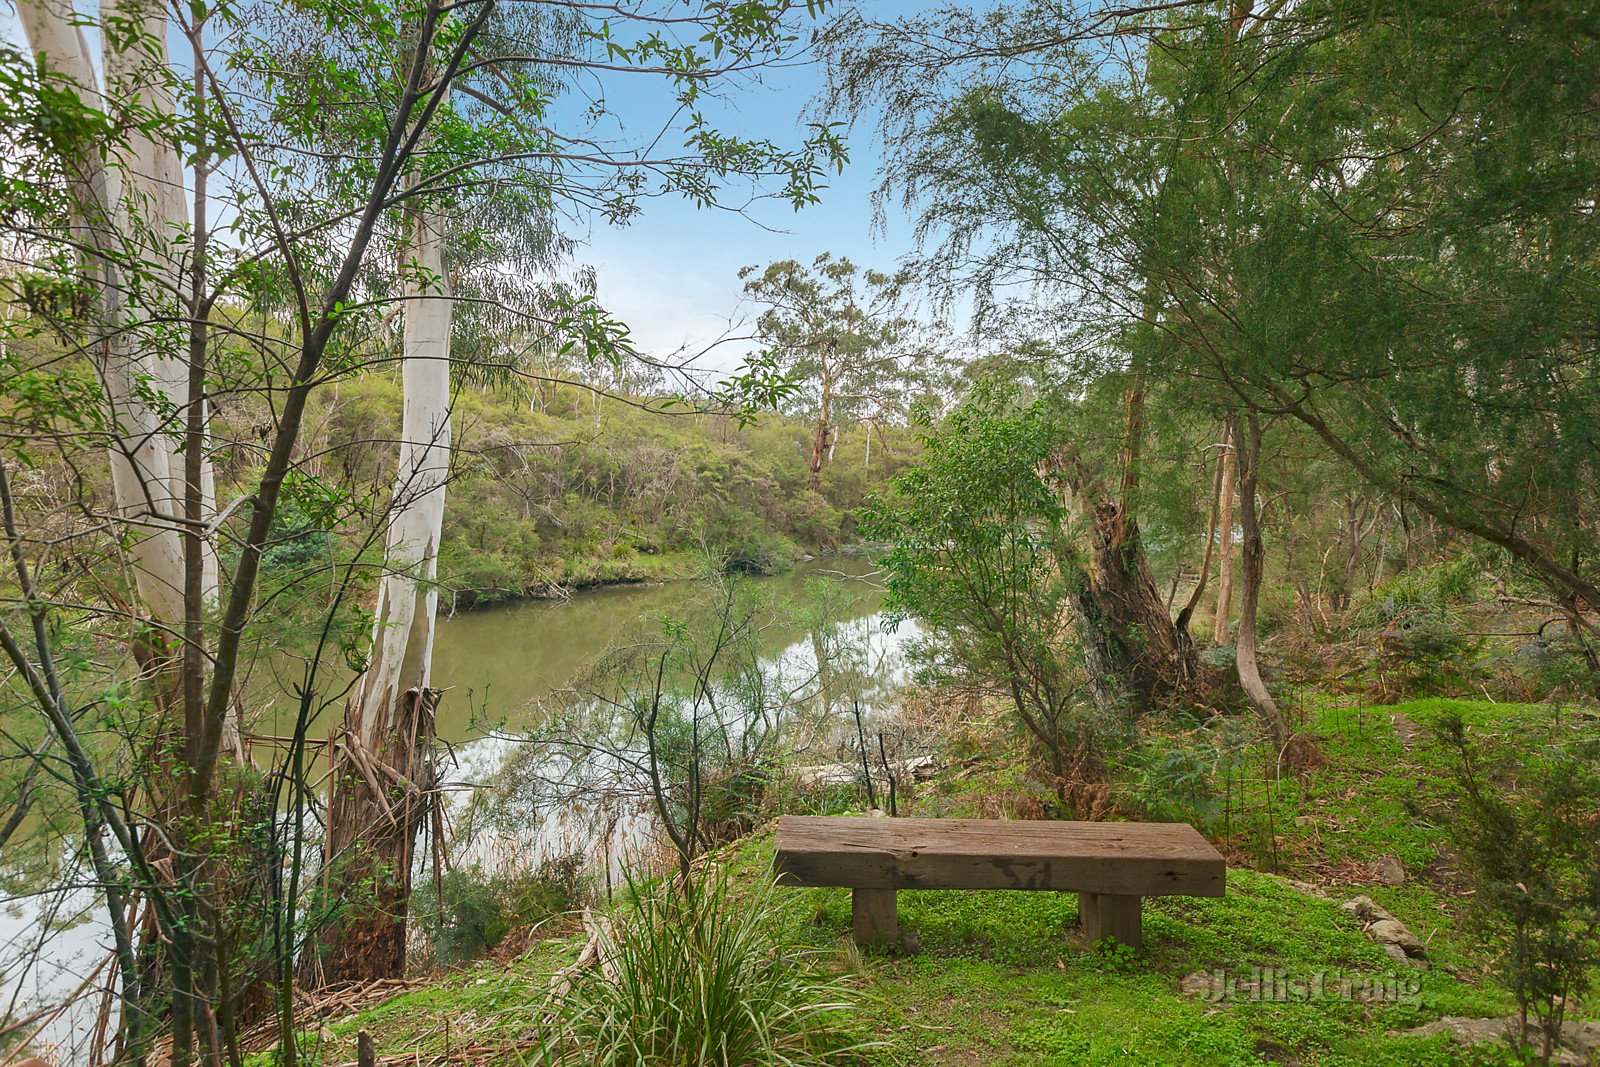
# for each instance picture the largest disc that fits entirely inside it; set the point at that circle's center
(497, 663)
(496, 666)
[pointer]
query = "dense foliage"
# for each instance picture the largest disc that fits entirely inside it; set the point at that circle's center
(567, 488)
(1283, 393)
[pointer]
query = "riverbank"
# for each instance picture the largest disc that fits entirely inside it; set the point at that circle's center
(578, 493)
(1278, 971)
(559, 579)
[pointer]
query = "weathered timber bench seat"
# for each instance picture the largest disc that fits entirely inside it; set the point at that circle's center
(1110, 865)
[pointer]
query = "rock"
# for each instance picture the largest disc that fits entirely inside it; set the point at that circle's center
(1461, 1030)
(1391, 871)
(1384, 928)
(1365, 908)
(1398, 954)
(1394, 932)
(1579, 1045)
(1583, 1038)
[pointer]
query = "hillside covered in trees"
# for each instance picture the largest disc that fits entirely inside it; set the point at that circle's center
(572, 490)
(1194, 519)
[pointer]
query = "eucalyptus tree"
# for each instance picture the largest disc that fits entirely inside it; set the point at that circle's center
(477, 258)
(509, 214)
(270, 283)
(843, 334)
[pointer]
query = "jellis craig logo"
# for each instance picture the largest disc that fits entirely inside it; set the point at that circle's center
(1274, 985)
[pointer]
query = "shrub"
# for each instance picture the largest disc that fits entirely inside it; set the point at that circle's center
(1534, 858)
(1547, 666)
(1419, 639)
(979, 557)
(472, 911)
(746, 546)
(701, 974)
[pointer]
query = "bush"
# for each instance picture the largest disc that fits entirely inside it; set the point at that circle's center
(1547, 666)
(980, 559)
(746, 546)
(702, 975)
(472, 912)
(1419, 639)
(1534, 859)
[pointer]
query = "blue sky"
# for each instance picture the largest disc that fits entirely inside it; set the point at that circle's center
(672, 273)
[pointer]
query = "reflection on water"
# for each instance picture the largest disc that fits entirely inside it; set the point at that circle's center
(496, 665)
(580, 785)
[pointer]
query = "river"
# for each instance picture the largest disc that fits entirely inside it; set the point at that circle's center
(497, 665)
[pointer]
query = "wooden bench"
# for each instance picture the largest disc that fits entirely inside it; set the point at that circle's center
(1110, 865)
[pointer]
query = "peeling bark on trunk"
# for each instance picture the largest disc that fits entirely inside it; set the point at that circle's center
(383, 764)
(1230, 466)
(1252, 552)
(134, 207)
(822, 441)
(1134, 654)
(382, 799)
(1135, 646)
(820, 447)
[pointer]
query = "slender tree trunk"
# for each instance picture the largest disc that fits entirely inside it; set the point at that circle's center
(1230, 465)
(1577, 626)
(1252, 552)
(821, 444)
(1358, 525)
(1193, 602)
(135, 205)
(383, 766)
(142, 473)
(140, 199)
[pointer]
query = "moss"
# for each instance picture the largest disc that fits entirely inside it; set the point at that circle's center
(1005, 978)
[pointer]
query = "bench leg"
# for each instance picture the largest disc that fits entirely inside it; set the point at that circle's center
(873, 916)
(1110, 915)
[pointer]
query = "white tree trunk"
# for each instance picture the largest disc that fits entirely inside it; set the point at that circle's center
(374, 819)
(134, 205)
(402, 638)
(138, 198)
(154, 213)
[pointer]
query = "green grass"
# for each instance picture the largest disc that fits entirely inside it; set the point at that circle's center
(1005, 978)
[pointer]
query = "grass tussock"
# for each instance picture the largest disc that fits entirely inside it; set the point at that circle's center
(708, 973)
